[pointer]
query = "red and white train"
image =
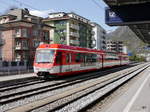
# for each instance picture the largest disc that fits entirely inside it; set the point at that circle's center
(59, 60)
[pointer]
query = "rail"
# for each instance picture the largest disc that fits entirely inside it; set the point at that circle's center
(106, 84)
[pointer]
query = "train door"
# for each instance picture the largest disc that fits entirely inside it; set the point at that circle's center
(59, 61)
(102, 60)
(120, 59)
(68, 62)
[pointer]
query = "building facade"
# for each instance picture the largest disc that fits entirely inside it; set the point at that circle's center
(116, 46)
(99, 37)
(21, 35)
(70, 29)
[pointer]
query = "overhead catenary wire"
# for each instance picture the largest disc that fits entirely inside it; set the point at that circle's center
(98, 5)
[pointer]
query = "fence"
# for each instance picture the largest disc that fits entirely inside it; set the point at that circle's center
(14, 67)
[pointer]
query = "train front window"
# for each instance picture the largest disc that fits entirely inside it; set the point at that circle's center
(44, 56)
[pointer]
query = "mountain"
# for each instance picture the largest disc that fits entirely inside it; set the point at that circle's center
(128, 37)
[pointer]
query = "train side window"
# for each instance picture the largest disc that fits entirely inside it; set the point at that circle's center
(85, 58)
(58, 57)
(88, 57)
(78, 57)
(94, 57)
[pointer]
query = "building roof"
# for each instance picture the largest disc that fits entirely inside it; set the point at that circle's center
(13, 23)
(8, 15)
(78, 15)
(58, 18)
(56, 13)
(66, 16)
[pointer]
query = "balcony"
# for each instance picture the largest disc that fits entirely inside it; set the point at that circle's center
(104, 37)
(20, 47)
(17, 35)
(75, 42)
(18, 58)
(93, 45)
(20, 36)
(103, 42)
(74, 34)
(93, 33)
(76, 27)
(93, 38)
(21, 33)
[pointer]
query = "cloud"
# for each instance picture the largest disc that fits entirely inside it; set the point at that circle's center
(43, 13)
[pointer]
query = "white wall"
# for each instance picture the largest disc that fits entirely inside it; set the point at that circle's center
(98, 35)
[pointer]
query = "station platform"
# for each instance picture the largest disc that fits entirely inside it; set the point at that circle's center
(135, 97)
(14, 77)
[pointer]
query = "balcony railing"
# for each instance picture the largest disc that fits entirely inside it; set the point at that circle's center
(93, 39)
(75, 42)
(74, 34)
(93, 33)
(19, 35)
(19, 47)
(74, 26)
(18, 58)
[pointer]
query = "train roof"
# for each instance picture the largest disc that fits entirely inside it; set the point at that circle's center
(66, 47)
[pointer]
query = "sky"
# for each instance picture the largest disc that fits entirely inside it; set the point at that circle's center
(91, 9)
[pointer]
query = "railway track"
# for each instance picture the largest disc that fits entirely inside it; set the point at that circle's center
(7, 85)
(66, 96)
(9, 94)
(13, 83)
(80, 98)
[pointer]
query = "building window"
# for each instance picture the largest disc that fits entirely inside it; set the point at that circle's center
(24, 44)
(61, 31)
(1, 34)
(25, 55)
(46, 35)
(61, 23)
(24, 32)
(35, 32)
(18, 43)
(18, 32)
(36, 43)
(18, 57)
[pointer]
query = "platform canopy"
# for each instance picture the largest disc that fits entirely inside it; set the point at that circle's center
(132, 13)
(124, 2)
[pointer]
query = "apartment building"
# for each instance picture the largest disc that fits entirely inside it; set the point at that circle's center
(99, 37)
(116, 46)
(21, 34)
(70, 29)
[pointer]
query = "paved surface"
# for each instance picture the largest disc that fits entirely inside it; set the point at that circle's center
(135, 99)
(13, 77)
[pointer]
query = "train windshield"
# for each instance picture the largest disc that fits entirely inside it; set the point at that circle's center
(44, 56)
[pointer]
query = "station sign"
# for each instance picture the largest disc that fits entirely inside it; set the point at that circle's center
(111, 18)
